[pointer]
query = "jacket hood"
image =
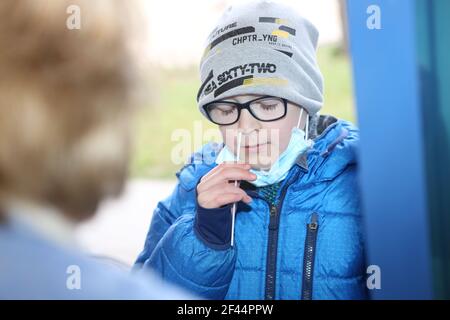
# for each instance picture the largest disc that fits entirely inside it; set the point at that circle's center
(335, 147)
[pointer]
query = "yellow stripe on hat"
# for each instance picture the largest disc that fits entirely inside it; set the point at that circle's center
(281, 21)
(280, 33)
(265, 81)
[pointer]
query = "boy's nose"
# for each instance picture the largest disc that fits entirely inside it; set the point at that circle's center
(247, 123)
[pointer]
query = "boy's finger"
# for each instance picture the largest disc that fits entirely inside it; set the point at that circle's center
(219, 171)
(226, 175)
(212, 197)
(229, 198)
(231, 188)
(247, 199)
(216, 189)
(223, 166)
(237, 174)
(237, 163)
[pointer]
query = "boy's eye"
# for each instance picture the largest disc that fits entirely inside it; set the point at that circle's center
(268, 106)
(226, 110)
(222, 110)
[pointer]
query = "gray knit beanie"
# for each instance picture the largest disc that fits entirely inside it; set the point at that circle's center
(263, 48)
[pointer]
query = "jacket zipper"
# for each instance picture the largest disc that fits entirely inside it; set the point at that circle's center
(272, 254)
(272, 243)
(308, 257)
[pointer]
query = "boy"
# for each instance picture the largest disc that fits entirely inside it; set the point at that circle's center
(297, 232)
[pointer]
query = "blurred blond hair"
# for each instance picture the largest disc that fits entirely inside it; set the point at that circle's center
(64, 103)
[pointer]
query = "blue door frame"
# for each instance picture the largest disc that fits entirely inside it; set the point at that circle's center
(393, 175)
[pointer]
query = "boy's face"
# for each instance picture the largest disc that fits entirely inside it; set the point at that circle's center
(262, 142)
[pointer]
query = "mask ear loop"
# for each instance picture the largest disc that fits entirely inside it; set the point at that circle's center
(307, 128)
(306, 125)
(300, 118)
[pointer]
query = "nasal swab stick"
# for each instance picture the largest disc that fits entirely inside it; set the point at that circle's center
(233, 209)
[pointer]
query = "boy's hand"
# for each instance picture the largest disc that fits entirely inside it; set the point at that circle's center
(217, 188)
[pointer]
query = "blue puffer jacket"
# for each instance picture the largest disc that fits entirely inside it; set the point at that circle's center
(307, 246)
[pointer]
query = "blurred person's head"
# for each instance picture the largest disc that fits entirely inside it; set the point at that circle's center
(64, 105)
(261, 52)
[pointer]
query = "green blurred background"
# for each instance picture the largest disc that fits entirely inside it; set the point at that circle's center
(174, 107)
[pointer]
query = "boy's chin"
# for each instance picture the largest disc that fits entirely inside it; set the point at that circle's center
(261, 164)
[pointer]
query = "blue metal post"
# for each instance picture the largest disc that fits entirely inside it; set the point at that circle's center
(392, 160)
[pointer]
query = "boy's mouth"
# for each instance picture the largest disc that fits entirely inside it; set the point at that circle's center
(256, 147)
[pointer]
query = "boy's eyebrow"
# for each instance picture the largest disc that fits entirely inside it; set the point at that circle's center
(230, 99)
(234, 99)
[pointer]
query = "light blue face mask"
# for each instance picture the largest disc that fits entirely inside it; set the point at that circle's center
(298, 144)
